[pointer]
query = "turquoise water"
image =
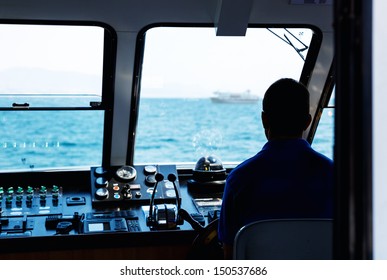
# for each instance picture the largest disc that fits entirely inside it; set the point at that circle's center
(44, 139)
(182, 130)
(169, 130)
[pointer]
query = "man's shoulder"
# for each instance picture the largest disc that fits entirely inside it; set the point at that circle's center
(319, 157)
(247, 166)
(304, 147)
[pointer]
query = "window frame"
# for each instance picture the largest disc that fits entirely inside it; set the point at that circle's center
(323, 103)
(309, 64)
(108, 76)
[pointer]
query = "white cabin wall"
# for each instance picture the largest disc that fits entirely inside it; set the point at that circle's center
(379, 130)
(133, 15)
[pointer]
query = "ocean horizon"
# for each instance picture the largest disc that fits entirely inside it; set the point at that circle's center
(170, 130)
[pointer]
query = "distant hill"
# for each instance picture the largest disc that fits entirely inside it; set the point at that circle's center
(36, 80)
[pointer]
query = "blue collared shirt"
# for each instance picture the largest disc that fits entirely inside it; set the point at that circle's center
(286, 179)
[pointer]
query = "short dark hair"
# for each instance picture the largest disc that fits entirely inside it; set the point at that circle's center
(286, 104)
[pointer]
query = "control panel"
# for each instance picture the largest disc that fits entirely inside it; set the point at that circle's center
(20, 204)
(94, 202)
(28, 200)
(122, 221)
(130, 185)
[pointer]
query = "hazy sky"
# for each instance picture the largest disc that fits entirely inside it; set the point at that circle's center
(50, 59)
(197, 63)
(60, 48)
(177, 62)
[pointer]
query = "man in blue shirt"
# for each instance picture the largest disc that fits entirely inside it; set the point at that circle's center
(287, 178)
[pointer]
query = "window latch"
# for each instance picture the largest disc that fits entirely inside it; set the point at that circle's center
(20, 105)
(95, 104)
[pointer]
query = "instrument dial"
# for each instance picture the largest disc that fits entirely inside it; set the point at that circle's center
(126, 173)
(101, 182)
(101, 193)
(150, 169)
(150, 180)
(100, 171)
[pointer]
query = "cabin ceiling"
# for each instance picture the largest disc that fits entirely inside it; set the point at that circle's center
(229, 16)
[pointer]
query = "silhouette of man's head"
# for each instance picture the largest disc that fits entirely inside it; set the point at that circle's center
(286, 109)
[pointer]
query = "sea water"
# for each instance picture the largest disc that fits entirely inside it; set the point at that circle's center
(182, 130)
(169, 130)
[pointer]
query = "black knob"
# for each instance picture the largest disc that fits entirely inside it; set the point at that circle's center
(172, 177)
(159, 177)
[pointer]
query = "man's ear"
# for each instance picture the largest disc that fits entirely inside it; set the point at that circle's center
(308, 121)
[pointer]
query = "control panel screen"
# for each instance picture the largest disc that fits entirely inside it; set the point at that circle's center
(95, 227)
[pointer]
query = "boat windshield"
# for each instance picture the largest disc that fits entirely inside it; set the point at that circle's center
(201, 94)
(50, 90)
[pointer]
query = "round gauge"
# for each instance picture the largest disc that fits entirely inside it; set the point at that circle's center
(101, 182)
(150, 169)
(101, 193)
(150, 180)
(126, 173)
(100, 171)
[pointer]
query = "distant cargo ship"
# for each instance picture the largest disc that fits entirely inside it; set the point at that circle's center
(245, 97)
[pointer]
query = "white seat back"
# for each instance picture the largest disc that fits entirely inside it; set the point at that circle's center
(285, 239)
